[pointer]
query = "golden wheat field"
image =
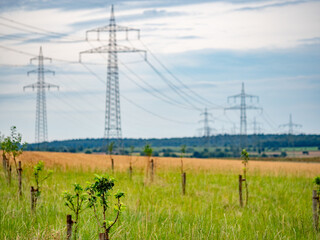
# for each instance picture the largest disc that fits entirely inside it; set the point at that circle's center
(95, 161)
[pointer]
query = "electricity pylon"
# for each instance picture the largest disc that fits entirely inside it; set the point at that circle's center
(41, 132)
(256, 127)
(112, 127)
(243, 115)
(256, 131)
(206, 128)
(291, 125)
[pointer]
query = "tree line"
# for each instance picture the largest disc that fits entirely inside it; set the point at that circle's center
(215, 146)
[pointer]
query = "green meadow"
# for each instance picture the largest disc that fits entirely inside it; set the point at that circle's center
(280, 206)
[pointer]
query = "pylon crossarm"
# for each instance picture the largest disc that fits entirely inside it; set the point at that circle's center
(44, 71)
(38, 58)
(109, 28)
(116, 28)
(49, 85)
(34, 59)
(106, 49)
(122, 28)
(33, 86)
(32, 71)
(38, 85)
(253, 107)
(234, 96)
(232, 108)
(127, 29)
(252, 97)
(49, 71)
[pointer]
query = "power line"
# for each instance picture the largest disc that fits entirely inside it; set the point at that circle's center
(204, 101)
(137, 105)
(161, 96)
(171, 85)
(43, 32)
(165, 97)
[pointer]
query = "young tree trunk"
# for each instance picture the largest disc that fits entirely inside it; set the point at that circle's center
(315, 207)
(247, 190)
(33, 199)
(4, 163)
(20, 178)
(240, 191)
(69, 227)
(130, 171)
(184, 180)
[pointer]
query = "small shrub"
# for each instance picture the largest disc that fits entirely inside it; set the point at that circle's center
(283, 154)
(39, 178)
(12, 147)
(77, 203)
(148, 152)
(316, 181)
(88, 151)
(98, 193)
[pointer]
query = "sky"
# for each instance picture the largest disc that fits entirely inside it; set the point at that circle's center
(198, 54)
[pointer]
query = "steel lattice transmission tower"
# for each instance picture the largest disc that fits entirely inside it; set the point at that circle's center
(291, 125)
(41, 132)
(256, 127)
(112, 128)
(243, 107)
(206, 127)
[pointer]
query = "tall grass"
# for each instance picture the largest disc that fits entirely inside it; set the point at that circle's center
(279, 208)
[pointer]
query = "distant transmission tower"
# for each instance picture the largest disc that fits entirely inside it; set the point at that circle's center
(256, 139)
(243, 115)
(291, 125)
(112, 127)
(206, 128)
(41, 133)
(256, 127)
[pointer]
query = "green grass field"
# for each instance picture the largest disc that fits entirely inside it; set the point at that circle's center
(280, 207)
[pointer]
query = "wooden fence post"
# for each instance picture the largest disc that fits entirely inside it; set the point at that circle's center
(20, 178)
(315, 208)
(240, 190)
(69, 226)
(102, 236)
(112, 165)
(32, 195)
(152, 169)
(9, 174)
(184, 180)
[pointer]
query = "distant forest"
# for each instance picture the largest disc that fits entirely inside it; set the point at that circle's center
(214, 146)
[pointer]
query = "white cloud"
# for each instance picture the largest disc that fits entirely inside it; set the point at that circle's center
(220, 26)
